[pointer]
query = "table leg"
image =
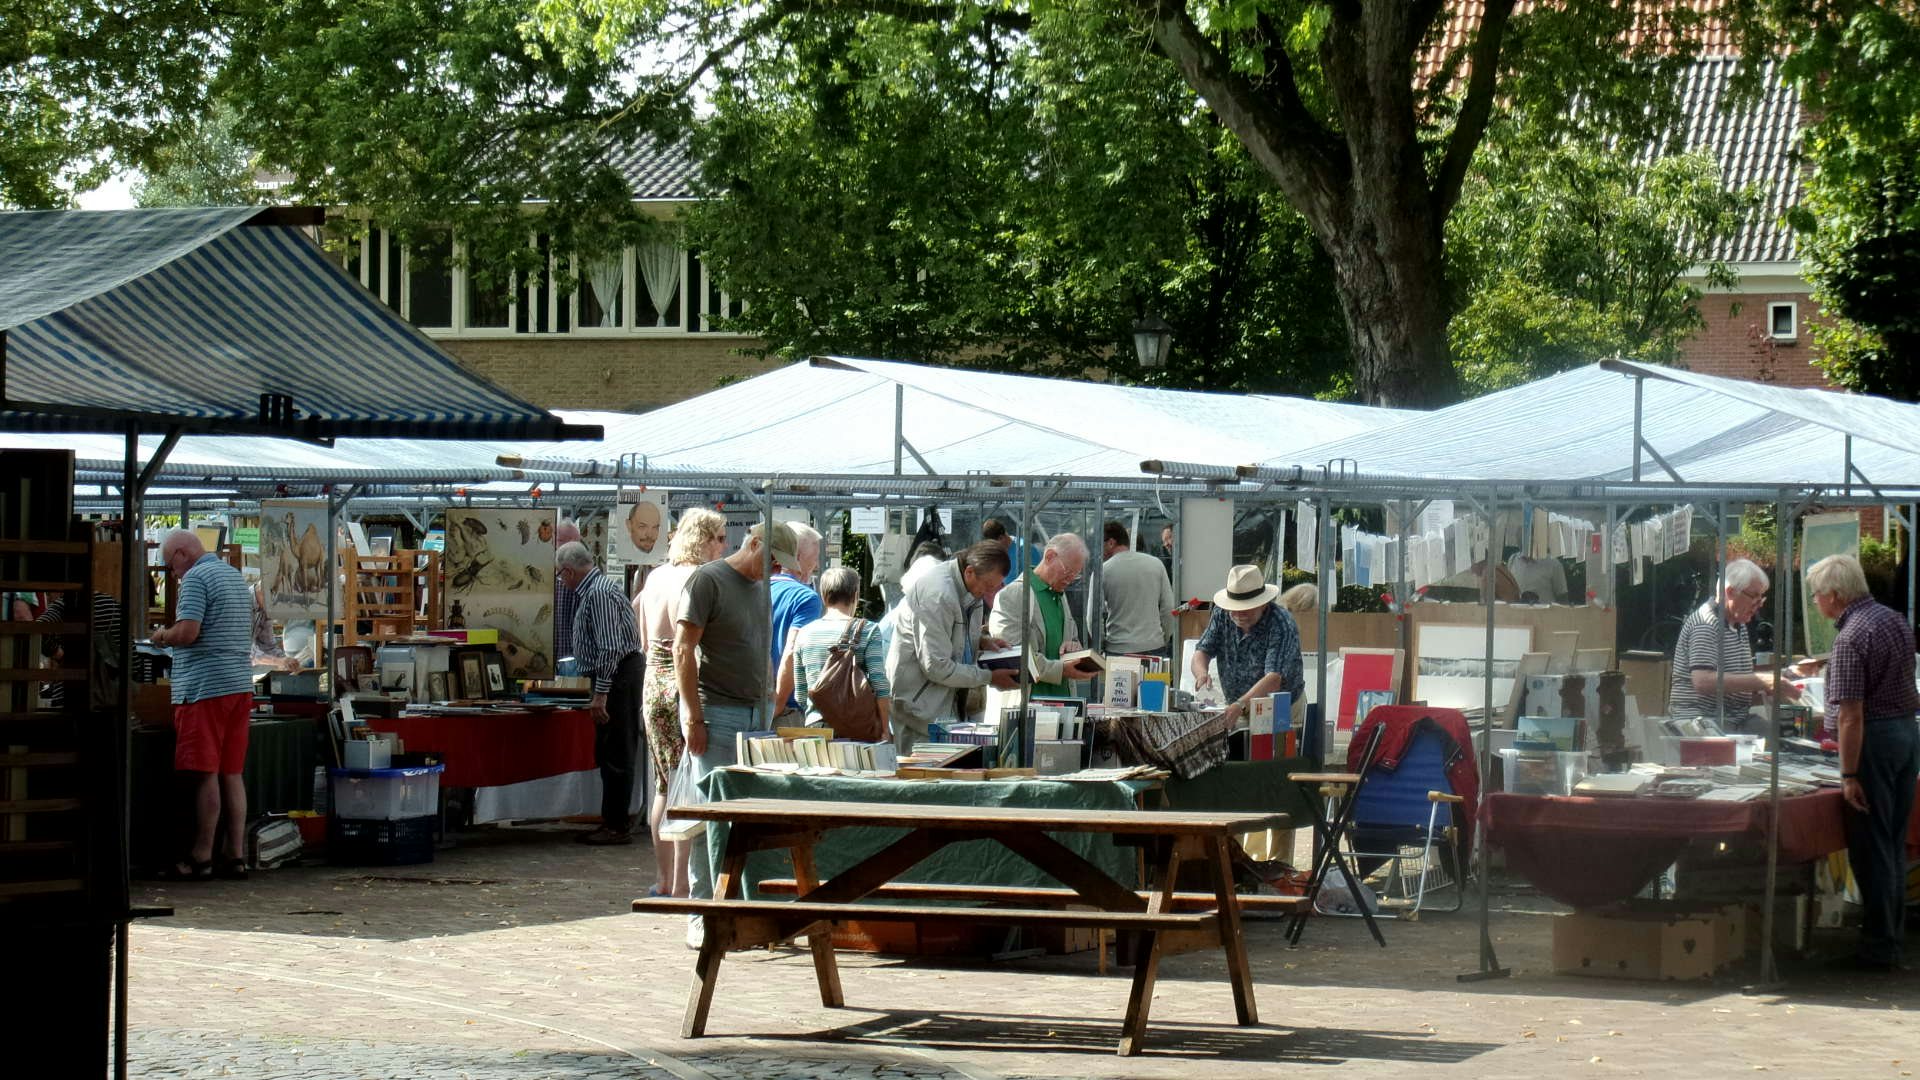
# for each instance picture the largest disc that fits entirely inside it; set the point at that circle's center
(1146, 966)
(825, 971)
(1220, 864)
(706, 974)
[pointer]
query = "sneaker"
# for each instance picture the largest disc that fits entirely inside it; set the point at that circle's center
(696, 931)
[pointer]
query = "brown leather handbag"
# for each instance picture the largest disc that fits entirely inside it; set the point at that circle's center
(842, 695)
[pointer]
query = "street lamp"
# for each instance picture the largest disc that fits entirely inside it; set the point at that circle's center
(1152, 341)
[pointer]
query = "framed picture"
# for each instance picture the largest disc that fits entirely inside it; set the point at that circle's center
(473, 676)
(368, 684)
(439, 685)
(496, 675)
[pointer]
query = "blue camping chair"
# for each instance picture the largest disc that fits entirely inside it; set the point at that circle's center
(1403, 839)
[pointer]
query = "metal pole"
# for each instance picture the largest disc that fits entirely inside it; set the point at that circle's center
(133, 617)
(1489, 962)
(766, 590)
(1782, 614)
(1607, 569)
(1096, 628)
(899, 423)
(1018, 581)
(1719, 594)
(1913, 518)
(1639, 390)
(1312, 741)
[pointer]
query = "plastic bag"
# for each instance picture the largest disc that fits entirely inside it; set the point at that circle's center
(1336, 899)
(683, 789)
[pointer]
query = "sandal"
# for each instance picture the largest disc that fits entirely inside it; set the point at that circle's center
(186, 870)
(231, 869)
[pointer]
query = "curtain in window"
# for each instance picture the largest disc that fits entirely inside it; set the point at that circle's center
(660, 269)
(603, 275)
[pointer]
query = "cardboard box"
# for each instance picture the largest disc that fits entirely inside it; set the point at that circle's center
(1629, 943)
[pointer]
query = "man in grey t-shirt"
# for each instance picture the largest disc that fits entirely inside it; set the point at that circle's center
(720, 648)
(1139, 597)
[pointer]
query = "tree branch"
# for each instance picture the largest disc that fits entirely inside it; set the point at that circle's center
(1471, 125)
(1287, 141)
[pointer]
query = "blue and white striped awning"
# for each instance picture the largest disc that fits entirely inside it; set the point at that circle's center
(225, 321)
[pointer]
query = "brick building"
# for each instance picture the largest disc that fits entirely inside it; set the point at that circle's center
(640, 331)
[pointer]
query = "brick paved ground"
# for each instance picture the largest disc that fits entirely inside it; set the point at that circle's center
(513, 956)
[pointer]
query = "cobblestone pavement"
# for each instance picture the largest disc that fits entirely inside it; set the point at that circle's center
(514, 956)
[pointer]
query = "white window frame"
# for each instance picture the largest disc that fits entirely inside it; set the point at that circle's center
(1793, 320)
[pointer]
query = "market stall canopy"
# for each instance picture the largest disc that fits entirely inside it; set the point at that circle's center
(838, 415)
(223, 321)
(1579, 426)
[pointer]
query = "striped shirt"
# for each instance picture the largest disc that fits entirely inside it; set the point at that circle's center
(106, 633)
(1707, 643)
(604, 629)
(816, 642)
(1872, 663)
(220, 660)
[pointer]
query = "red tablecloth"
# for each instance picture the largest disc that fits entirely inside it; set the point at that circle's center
(1592, 851)
(500, 748)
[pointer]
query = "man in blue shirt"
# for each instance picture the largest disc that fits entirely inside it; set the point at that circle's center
(794, 602)
(212, 673)
(1254, 640)
(606, 645)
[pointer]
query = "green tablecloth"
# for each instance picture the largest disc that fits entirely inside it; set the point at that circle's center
(976, 862)
(281, 756)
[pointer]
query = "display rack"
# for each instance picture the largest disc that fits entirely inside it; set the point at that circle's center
(394, 596)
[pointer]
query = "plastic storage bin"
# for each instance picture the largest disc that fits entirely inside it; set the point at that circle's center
(380, 843)
(1542, 772)
(386, 794)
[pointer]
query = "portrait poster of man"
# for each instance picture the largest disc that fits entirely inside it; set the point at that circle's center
(639, 528)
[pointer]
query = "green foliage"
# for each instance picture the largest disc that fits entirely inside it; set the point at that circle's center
(202, 165)
(86, 84)
(1855, 63)
(1567, 251)
(954, 192)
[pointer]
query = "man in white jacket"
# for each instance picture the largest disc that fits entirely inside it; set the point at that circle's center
(937, 640)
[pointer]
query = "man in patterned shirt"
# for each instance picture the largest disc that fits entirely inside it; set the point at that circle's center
(1254, 640)
(1871, 699)
(212, 673)
(606, 644)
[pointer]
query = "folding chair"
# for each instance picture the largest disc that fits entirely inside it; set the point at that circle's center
(1339, 791)
(1402, 831)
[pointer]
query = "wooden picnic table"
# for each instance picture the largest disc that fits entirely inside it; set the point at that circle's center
(1162, 920)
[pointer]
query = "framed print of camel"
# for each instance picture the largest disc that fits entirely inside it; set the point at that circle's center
(499, 567)
(293, 558)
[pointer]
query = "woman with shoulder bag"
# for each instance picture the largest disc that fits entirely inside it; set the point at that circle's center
(837, 665)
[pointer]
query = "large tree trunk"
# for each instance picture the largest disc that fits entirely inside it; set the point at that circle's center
(1391, 283)
(1359, 175)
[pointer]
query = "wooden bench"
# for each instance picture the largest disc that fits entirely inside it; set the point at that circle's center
(1161, 920)
(987, 894)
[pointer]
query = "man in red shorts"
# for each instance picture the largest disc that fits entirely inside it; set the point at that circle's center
(212, 674)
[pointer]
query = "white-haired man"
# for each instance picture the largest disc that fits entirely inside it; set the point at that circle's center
(212, 643)
(606, 644)
(1035, 609)
(1871, 702)
(1714, 645)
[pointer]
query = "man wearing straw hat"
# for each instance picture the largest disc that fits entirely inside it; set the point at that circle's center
(1254, 641)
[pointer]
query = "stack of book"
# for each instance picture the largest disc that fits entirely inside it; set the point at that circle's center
(813, 748)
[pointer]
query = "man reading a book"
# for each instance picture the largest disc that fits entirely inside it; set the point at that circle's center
(1254, 640)
(1036, 610)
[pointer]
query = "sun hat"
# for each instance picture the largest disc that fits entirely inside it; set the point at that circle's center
(1247, 588)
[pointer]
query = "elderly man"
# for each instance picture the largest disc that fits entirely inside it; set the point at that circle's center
(212, 643)
(1871, 700)
(720, 665)
(606, 644)
(1036, 610)
(1714, 649)
(937, 635)
(1254, 640)
(791, 597)
(1139, 598)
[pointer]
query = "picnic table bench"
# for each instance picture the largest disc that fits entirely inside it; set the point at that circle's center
(1162, 920)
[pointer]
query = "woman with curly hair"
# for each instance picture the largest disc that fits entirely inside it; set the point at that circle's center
(701, 537)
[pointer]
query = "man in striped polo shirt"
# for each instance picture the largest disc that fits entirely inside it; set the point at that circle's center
(606, 644)
(1714, 651)
(212, 672)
